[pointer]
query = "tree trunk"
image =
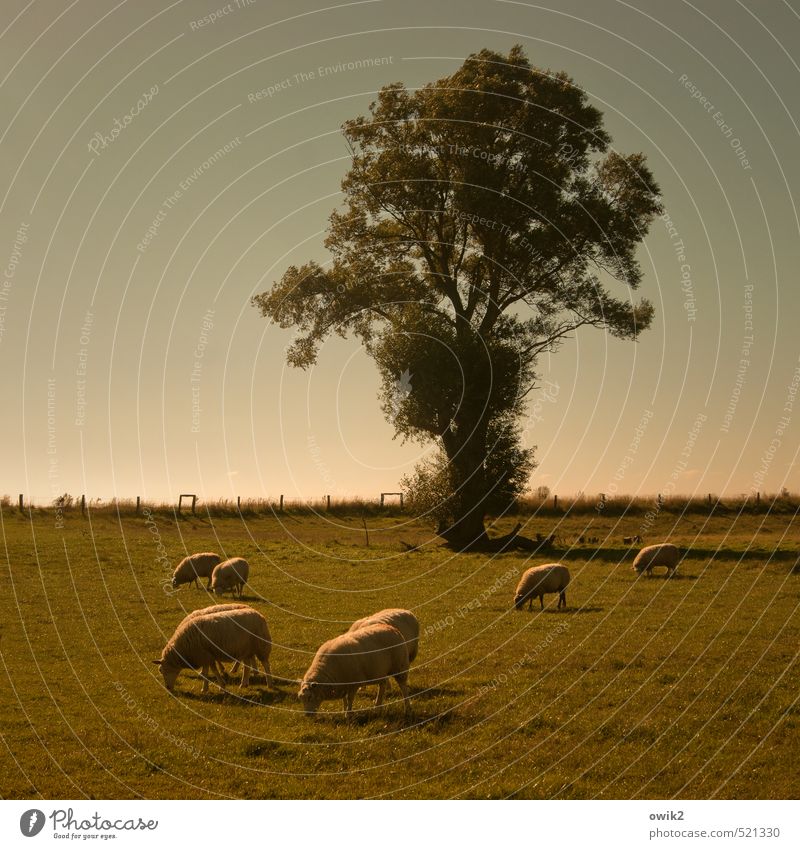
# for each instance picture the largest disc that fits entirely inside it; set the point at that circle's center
(466, 527)
(465, 530)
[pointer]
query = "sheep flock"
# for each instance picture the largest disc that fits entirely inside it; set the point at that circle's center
(373, 651)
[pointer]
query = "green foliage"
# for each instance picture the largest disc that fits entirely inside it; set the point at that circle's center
(432, 490)
(428, 489)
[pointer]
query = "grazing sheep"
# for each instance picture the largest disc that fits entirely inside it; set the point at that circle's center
(538, 580)
(193, 567)
(230, 575)
(664, 554)
(205, 638)
(405, 622)
(372, 654)
(219, 669)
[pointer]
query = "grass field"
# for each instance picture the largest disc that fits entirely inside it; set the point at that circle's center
(643, 687)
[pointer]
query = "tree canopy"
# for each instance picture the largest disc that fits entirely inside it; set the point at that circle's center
(484, 218)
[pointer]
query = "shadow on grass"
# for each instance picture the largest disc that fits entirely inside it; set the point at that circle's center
(391, 715)
(660, 576)
(616, 556)
(432, 721)
(426, 693)
(255, 694)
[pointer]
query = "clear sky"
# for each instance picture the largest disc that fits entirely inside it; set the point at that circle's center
(132, 361)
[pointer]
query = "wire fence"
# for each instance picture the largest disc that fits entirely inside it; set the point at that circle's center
(394, 503)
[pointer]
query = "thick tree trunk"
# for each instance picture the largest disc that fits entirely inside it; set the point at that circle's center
(466, 455)
(466, 530)
(465, 443)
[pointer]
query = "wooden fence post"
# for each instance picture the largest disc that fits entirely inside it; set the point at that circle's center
(281, 508)
(83, 505)
(401, 500)
(383, 494)
(138, 504)
(239, 503)
(329, 501)
(555, 502)
(758, 498)
(187, 495)
(21, 504)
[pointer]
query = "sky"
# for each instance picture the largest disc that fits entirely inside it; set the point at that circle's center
(162, 163)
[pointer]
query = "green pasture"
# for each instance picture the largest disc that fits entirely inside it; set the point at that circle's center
(642, 688)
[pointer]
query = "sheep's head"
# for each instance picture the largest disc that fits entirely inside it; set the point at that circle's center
(519, 601)
(169, 672)
(311, 695)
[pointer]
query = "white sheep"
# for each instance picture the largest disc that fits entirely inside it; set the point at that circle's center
(217, 608)
(538, 580)
(405, 622)
(230, 575)
(663, 554)
(371, 655)
(193, 567)
(205, 638)
(218, 667)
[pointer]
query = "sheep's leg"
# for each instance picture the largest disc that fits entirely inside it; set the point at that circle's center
(220, 671)
(381, 692)
(245, 672)
(267, 671)
(530, 603)
(348, 703)
(541, 601)
(562, 599)
(204, 673)
(235, 668)
(253, 664)
(402, 683)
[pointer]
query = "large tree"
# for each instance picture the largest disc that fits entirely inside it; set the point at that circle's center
(484, 219)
